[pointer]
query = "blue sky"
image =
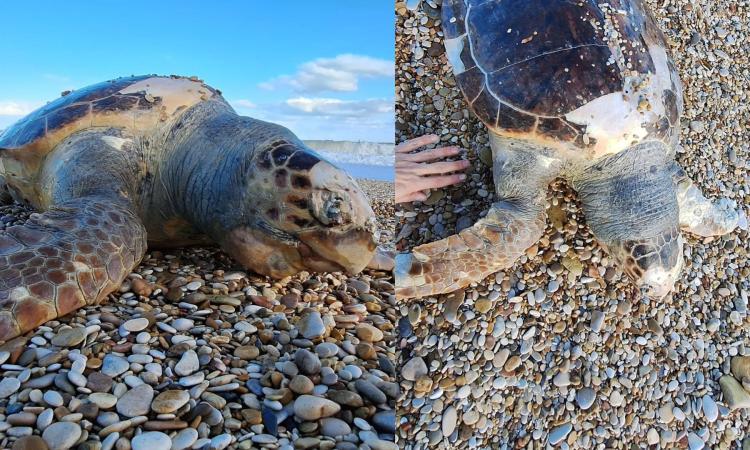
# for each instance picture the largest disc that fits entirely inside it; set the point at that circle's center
(323, 68)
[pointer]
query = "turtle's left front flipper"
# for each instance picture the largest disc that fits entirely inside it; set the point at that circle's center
(701, 216)
(70, 256)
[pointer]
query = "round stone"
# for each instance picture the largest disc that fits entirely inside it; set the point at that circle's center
(220, 442)
(559, 433)
(53, 398)
(309, 407)
(61, 435)
(585, 398)
(136, 325)
(9, 386)
(311, 325)
(300, 384)
(184, 439)
(151, 440)
(114, 365)
(247, 352)
(413, 369)
(69, 337)
(450, 418)
(512, 363)
(616, 399)
(170, 401)
(332, 427)
(136, 402)
(307, 361)
(188, 364)
(103, 400)
(30, 443)
(710, 408)
(369, 333)
(182, 324)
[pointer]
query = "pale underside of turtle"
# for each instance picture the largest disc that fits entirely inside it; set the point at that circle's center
(162, 161)
(580, 90)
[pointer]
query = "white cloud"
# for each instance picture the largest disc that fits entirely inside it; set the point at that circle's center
(17, 108)
(339, 74)
(331, 118)
(336, 107)
(243, 103)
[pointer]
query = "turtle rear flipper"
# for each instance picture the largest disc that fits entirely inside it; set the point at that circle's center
(70, 256)
(701, 216)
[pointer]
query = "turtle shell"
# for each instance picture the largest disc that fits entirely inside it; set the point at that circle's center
(139, 104)
(586, 75)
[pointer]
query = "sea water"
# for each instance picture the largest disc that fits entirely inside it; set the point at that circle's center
(373, 160)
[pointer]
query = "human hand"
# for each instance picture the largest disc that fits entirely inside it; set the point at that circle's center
(416, 174)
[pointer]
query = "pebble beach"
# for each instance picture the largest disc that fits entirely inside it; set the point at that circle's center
(561, 351)
(193, 352)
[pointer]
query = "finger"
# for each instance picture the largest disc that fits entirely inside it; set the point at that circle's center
(418, 197)
(444, 180)
(413, 144)
(411, 197)
(442, 167)
(435, 153)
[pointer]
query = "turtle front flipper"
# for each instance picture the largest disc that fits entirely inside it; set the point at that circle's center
(514, 223)
(492, 244)
(70, 256)
(701, 216)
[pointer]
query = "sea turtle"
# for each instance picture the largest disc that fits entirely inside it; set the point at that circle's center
(582, 90)
(163, 161)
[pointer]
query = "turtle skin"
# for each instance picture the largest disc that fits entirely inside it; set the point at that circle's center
(162, 161)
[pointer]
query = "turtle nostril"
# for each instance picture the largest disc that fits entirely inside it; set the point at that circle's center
(333, 211)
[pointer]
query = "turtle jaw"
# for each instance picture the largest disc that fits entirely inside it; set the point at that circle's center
(349, 248)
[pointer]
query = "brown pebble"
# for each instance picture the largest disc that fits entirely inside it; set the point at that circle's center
(290, 300)
(259, 300)
(141, 287)
(366, 351)
(158, 425)
(99, 382)
(247, 352)
(30, 443)
(252, 416)
(93, 363)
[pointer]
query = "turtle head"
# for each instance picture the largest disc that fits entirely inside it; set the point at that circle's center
(302, 213)
(654, 264)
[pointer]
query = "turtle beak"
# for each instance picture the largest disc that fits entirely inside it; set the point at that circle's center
(348, 248)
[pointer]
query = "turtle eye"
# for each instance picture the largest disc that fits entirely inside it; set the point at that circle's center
(330, 208)
(333, 210)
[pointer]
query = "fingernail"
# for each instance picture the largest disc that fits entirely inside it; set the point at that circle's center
(462, 177)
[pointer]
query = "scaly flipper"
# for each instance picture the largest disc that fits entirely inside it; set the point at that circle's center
(701, 216)
(492, 244)
(513, 224)
(70, 256)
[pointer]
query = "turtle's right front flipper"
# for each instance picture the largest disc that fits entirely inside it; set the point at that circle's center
(70, 256)
(492, 244)
(515, 222)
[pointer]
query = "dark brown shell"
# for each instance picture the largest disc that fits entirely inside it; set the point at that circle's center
(83, 106)
(523, 65)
